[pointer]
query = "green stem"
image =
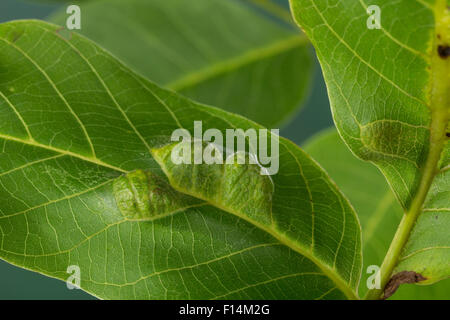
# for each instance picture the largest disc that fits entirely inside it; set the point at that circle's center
(391, 258)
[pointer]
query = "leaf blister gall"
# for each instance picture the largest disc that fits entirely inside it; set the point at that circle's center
(142, 195)
(239, 188)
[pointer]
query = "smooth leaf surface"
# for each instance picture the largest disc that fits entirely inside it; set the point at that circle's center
(222, 53)
(389, 90)
(78, 136)
(375, 204)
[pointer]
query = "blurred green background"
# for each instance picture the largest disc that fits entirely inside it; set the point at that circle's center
(17, 283)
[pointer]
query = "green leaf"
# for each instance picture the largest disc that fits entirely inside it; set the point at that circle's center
(81, 137)
(429, 240)
(374, 203)
(221, 53)
(389, 90)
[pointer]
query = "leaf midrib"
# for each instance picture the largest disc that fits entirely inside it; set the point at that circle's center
(63, 152)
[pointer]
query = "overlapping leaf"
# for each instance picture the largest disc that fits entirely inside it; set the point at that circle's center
(218, 52)
(374, 203)
(73, 121)
(390, 94)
